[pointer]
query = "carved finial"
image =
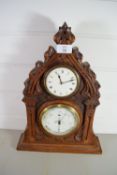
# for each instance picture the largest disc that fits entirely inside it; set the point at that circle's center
(64, 35)
(65, 26)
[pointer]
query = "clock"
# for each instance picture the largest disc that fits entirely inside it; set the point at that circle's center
(59, 119)
(61, 95)
(61, 81)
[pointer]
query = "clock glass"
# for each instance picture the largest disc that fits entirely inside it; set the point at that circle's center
(59, 119)
(61, 81)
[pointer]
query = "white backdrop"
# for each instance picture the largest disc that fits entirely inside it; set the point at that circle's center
(26, 31)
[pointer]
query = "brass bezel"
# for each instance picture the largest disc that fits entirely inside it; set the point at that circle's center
(60, 66)
(75, 113)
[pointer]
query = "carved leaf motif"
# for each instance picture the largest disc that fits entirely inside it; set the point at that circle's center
(48, 54)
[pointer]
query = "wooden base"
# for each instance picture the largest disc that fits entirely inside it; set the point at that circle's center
(93, 148)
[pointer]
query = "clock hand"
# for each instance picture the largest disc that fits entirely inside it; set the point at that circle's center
(67, 81)
(59, 78)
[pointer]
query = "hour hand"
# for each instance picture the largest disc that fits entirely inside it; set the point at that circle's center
(59, 78)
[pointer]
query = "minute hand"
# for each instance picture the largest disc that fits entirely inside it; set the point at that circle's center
(67, 81)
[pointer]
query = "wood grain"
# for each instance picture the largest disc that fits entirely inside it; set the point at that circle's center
(84, 100)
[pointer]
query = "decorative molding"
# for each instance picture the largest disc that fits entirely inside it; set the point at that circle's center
(105, 69)
(97, 36)
(29, 65)
(25, 33)
(18, 123)
(47, 33)
(108, 0)
(12, 122)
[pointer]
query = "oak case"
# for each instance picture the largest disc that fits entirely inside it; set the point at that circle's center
(84, 100)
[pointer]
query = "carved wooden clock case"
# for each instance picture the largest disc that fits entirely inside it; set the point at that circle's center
(61, 95)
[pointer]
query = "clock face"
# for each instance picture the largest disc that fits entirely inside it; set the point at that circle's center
(62, 81)
(59, 119)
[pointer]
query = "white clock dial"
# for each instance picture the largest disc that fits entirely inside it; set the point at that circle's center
(59, 119)
(61, 81)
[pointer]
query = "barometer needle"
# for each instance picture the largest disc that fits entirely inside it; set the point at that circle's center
(59, 123)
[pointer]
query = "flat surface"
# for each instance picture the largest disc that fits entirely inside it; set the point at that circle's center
(13, 162)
